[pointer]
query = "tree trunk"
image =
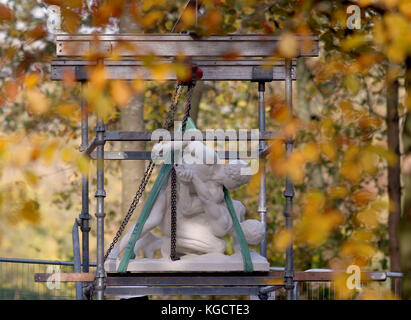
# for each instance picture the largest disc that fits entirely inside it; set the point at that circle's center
(405, 227)
(196, 99)
(394, 174)
(131, 119)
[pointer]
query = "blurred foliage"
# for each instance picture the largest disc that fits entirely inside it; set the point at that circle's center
(339, 163)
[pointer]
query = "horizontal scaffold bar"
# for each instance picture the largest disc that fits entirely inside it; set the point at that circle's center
(213, 70)
(231, 135)
(146, 155)
(208, 279)
(212, 135)
(173, 45)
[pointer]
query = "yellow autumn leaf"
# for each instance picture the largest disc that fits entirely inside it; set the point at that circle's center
(138, 85)
(339, 191)
(151, 18)
(252, 187)
(310, 152)
(30, 211)
(189, 17)
(31, 80)
(31, 178)
(161, 71)
(352, 42)
(67, 155)
(367, 218)
(375, 292)
(69, 110)
(341, 289)
(360, 251)
(281, 240)
(351, 171)
(37, 102)
(49, 153)
(329, 150)
(362, 235)
(82, 163)
(405, 8)
(352, 83)
(327, 127)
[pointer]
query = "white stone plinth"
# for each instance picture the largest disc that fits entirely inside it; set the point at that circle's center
(211, 262)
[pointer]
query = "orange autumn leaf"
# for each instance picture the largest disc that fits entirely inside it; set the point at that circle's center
(120, 92)
(362, 197)
(6, 14)
(288, 45)
(98, 77)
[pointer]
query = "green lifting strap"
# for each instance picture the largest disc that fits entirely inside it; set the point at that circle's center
(245, 252)
(152, 198)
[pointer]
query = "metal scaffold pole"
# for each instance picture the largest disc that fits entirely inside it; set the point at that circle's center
(100, 195)
(262, 201)
(85, 215)
(289, 191)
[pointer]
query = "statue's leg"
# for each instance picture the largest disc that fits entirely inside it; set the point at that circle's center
(165, 247)
(149, 244)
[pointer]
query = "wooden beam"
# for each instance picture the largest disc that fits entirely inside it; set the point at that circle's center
(173, 45)
(185, 279)
(213, 70)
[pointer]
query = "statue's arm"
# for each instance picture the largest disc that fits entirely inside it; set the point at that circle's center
(188, 204)
(213, 205)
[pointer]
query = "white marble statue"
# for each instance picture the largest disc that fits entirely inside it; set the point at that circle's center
(203, 219)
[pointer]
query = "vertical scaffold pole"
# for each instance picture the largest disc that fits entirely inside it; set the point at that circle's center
(100, 195)
(85, 215)
(262, 202)
(289, 190)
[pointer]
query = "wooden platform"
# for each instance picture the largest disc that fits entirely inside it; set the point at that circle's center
(201, 279)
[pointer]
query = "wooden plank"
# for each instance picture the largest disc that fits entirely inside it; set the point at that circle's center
(64, 277)
(172, 45)
(213, 70)
(204, 279)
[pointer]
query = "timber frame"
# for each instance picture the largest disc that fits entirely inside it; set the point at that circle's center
(255, 63)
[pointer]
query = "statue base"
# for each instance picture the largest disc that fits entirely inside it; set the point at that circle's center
(211, 262)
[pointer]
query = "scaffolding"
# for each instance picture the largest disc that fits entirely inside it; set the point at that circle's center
(255, 64)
